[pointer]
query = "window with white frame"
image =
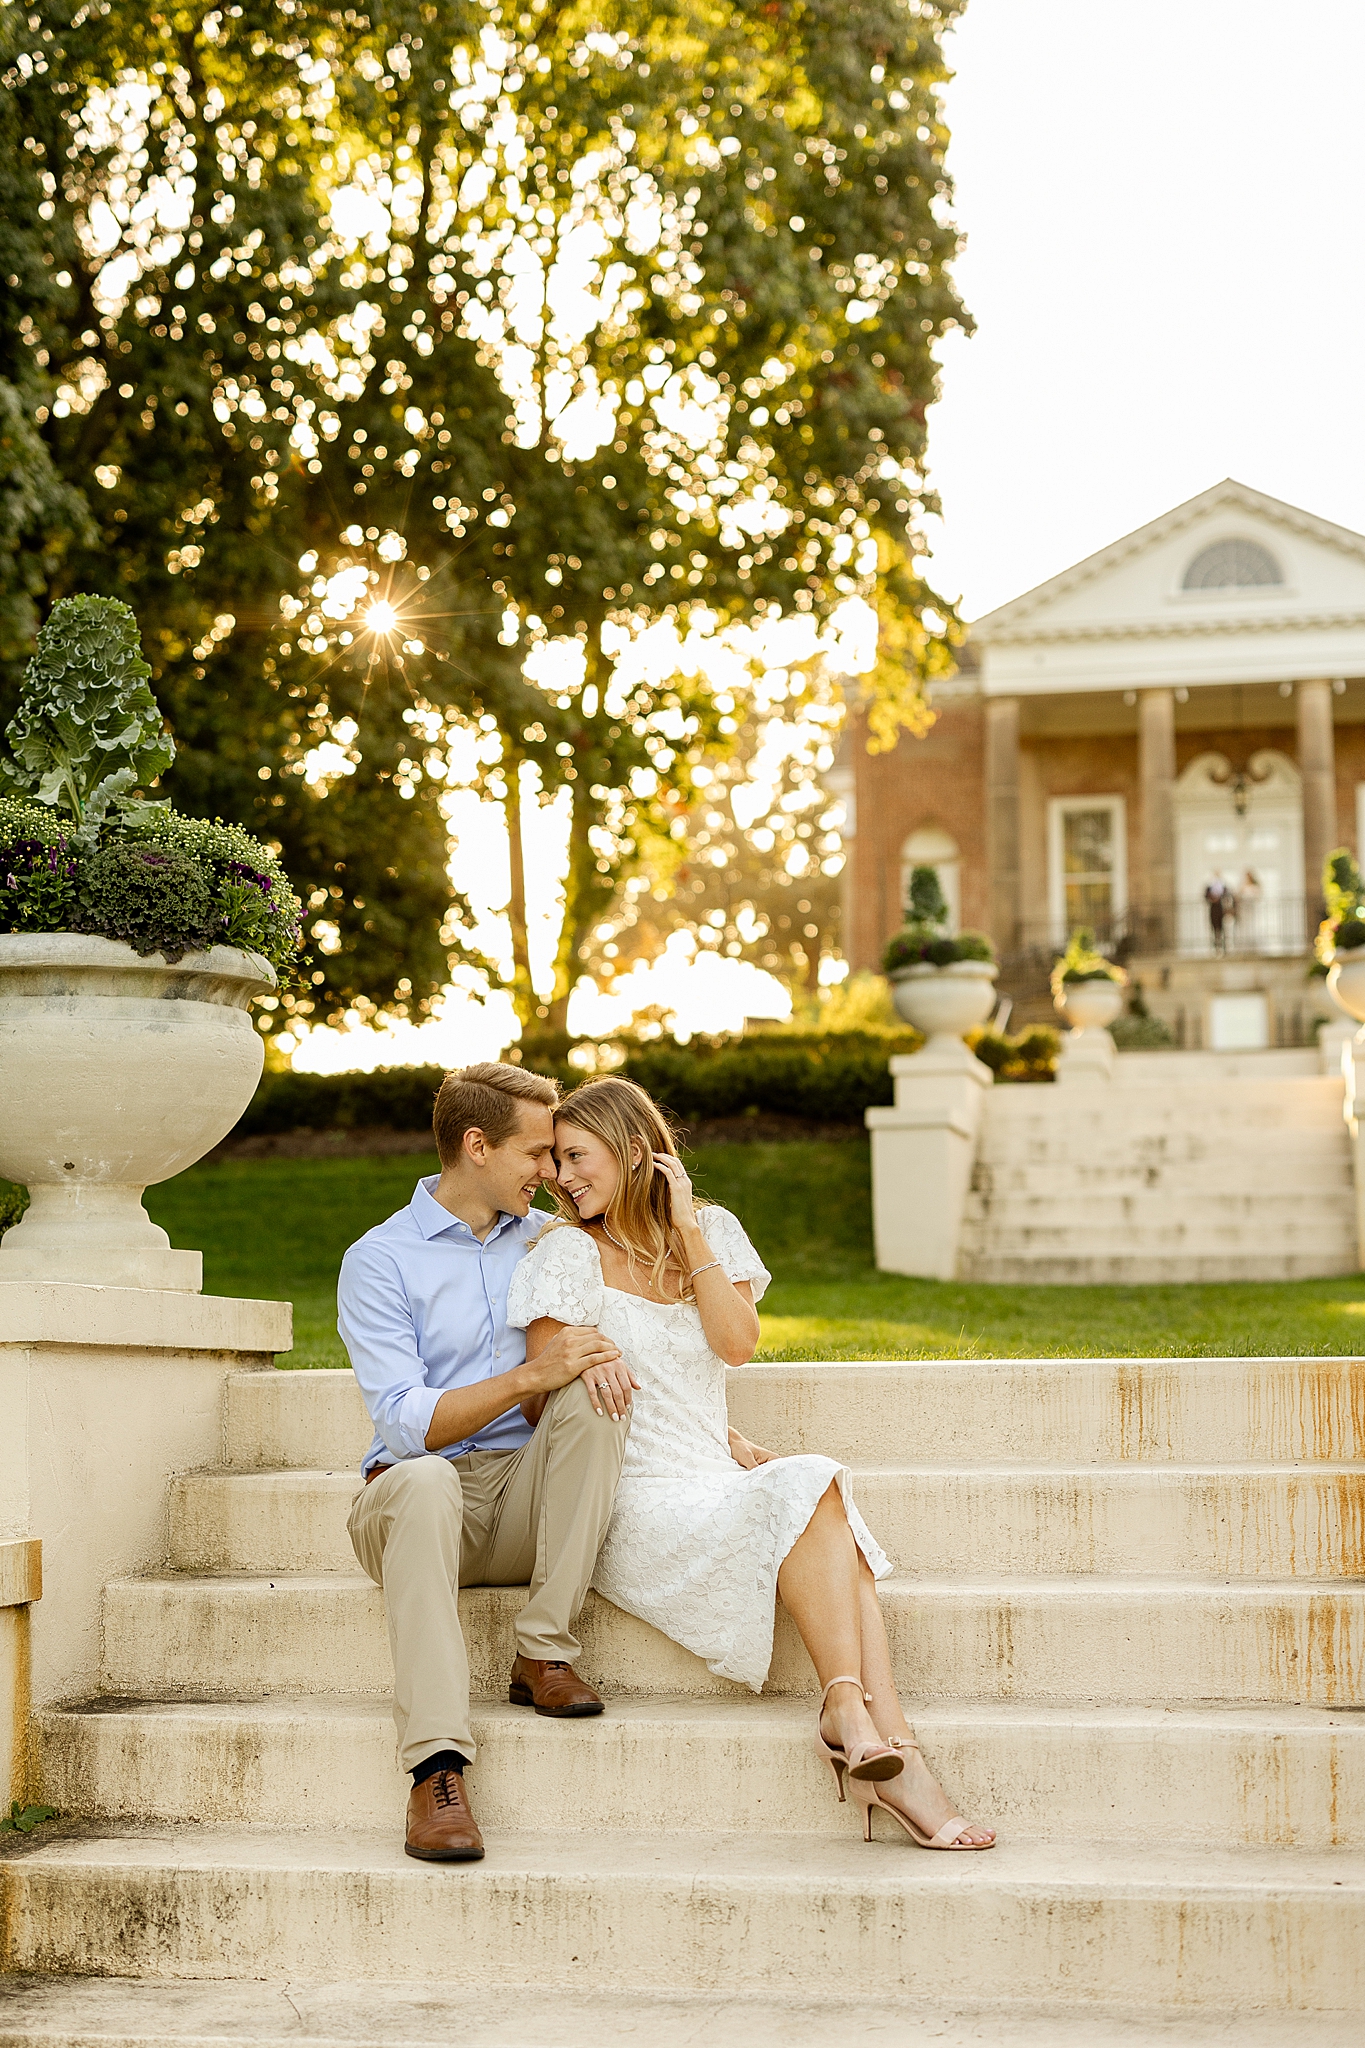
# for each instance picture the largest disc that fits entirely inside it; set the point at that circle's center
(1087, 865)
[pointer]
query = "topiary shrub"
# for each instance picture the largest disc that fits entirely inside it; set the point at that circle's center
(923, 941)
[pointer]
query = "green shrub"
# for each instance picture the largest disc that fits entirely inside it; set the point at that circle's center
(13, 1202)
(830, 1078)
(1141, 1033)
(1030, 1056)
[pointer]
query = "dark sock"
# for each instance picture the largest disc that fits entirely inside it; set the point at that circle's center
(444, 1760)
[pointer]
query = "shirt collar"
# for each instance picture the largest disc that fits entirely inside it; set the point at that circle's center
(433, 1220)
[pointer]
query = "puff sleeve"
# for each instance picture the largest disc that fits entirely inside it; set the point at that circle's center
(726, 1237)
(561, 1276)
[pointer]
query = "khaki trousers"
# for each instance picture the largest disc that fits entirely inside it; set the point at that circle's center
(533, 1517)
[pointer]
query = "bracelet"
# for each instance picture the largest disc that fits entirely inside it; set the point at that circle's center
(703, 1269)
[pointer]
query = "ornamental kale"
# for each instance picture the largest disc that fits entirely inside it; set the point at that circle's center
(156, 902)
(88, 729)
(79, 853)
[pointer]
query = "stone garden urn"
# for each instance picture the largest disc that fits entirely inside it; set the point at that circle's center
(945, 1002)
(1346, 980)
(116, 1072)
(1091, 1005)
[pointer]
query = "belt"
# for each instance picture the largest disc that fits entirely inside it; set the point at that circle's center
(376, 1471)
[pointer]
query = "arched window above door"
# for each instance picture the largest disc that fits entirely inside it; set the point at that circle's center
(932, 847)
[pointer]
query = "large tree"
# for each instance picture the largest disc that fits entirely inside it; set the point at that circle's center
(520, 322)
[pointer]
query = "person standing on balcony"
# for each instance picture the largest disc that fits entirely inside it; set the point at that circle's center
(1248, 902)
(1218, 897)
(486, 1469)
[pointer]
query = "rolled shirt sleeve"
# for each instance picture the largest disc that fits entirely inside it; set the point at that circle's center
(374, 1318)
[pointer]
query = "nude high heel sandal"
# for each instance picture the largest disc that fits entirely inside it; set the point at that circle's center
(867, 1796)
(866, 1761)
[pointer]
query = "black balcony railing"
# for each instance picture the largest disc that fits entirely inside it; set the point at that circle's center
(1266, 926)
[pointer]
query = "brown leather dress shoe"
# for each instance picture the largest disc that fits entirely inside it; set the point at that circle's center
(441, 1828)
(551, 1688)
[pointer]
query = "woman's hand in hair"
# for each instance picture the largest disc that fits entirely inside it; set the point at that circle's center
(674, 1173)
(748, 1454)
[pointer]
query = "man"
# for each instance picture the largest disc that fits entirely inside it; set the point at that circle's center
(1217, 896)
(459, 1487)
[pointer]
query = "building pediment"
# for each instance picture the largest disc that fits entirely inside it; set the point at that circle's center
(1231, 586)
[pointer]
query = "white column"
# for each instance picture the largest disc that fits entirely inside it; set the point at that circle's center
(923, 1153)
(1317, 766)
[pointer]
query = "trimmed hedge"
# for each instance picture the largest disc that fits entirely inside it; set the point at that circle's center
(830, 1079)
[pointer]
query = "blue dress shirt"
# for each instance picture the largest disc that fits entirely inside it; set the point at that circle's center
(422, 1306)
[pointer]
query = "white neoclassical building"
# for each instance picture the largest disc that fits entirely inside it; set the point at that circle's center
(1180, 715)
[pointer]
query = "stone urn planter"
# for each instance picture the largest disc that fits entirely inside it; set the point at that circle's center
(1090, 1005)
(944, 1002)
(116, 1072)
(1346, 980)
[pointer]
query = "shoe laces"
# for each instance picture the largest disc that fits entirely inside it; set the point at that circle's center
(446, 1788)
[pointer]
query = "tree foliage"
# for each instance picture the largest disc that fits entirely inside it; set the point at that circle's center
(527, 323)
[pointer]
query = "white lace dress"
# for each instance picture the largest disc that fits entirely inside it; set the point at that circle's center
(695, 1541)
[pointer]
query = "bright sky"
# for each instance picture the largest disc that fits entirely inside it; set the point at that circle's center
(1163, 207)
(1163, 212)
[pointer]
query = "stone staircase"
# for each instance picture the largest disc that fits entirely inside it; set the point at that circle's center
(1130, 1614)
(1186, 1166)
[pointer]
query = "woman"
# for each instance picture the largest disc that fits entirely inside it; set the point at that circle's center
(707, 1527)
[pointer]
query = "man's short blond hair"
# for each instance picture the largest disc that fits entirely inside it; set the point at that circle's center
(485, 1098)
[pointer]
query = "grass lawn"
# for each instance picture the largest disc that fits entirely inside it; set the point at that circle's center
(279, 1227)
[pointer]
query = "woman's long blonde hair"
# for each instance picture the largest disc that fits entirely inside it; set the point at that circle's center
(639, 1214)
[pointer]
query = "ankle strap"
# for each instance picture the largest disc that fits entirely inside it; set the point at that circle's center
(844, 1681)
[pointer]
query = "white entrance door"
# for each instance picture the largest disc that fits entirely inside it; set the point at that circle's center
(1246, 832)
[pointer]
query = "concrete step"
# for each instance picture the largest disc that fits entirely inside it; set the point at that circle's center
(1162, 1139)
(1086, 1925)
(1288, 1777)
(1046, 1410)
(1013, 1228)
(1254, 1521)
(1106, 1641)
(1294, 1099)
(1142, 1224)
(1145, 1269)
(1108, 1207)
(112, 2012)
(262, 1521)
(1187, 1182)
